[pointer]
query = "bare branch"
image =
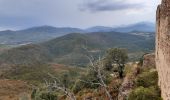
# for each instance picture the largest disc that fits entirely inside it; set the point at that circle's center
(57, 84)
(90, 82)
(97, 68)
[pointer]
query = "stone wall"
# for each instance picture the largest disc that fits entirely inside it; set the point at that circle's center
(163, 48)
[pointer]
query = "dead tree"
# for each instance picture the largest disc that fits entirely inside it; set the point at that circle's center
(58, 85)
(97, 67)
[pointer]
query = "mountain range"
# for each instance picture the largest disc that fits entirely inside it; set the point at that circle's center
(140, 27)
(73, 49)
(34, 35)
(45, 33)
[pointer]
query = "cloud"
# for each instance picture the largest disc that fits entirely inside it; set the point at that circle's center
(19, 14)
(108, 5)
(28, 13)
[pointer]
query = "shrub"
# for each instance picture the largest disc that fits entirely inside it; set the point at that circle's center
(48, 96)
(142, 93)
(147, 79)
(43, 95)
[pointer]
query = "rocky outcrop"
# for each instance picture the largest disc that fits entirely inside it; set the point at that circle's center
(128, 82)
(163, 48)
(149, 61)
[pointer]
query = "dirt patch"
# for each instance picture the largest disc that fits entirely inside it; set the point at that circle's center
(14, 90)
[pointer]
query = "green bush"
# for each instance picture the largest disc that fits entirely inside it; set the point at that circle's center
(146, 86)
(78, 86)
(147, 79)
(87, 80)
(43, 95)
(142, 93)
(90, 77)
(48, 96)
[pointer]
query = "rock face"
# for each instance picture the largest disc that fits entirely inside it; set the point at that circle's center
(163, 48)
(149, 61)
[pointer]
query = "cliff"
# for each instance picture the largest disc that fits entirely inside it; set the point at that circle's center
(163, 48)
(149, 61)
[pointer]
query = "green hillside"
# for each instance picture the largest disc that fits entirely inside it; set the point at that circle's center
(4, 47)
(70, 49)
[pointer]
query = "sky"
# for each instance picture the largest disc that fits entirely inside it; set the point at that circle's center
(20, 14)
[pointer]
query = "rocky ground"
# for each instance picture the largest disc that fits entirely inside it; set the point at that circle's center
(128, 82)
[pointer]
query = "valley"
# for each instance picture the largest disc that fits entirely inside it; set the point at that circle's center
(84, 49)
(64, 57)
(73, 48)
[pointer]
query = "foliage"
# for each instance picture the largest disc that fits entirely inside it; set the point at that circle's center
(33, 94)
(48, 92)
(67, 80)
(140, 61)
(107, 64)
(147, 79)
(68, 49)
(34, 74)
(43, 95)
(116, 57)
(142, 93)
(95, 78)
(89, 77)
(146, 86)
(48, 96)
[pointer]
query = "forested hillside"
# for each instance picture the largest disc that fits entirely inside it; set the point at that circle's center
(72, 49)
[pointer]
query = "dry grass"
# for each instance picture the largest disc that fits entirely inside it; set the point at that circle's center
(14, 90)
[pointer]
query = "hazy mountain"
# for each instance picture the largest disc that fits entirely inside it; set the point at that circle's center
(140, 27)
(70, 49)
(99, 29)
(45, 33)
(51, 29)
(35, 34)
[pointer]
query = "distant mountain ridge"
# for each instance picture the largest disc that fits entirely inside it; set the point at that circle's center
(45, 33)
(52, 29)
(99, 29)
(141, 27)
(35, 34)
